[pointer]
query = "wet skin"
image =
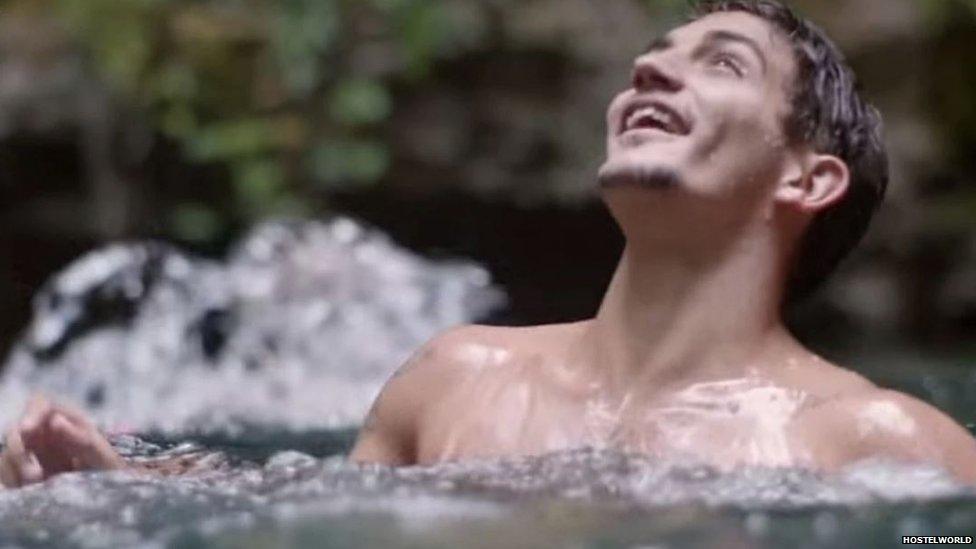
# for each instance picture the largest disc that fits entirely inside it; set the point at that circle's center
(687, 357)
(483, 392)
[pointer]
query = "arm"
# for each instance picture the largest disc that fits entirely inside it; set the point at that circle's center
(388, 435)
(385, 441)
(391, 431)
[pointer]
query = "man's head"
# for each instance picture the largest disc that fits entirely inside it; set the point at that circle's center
(746, 116)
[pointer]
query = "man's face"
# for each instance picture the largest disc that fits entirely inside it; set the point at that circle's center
(703, 117)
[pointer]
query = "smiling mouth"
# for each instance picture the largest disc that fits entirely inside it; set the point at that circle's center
(653, 115)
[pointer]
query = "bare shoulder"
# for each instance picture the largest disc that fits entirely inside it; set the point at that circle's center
(876, 422)
(465, 351)
(431, 375)
(473, 348)
(469, 349)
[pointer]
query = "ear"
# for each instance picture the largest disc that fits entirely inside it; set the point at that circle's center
(818, 185)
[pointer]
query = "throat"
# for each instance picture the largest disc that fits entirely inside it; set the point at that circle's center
(664, 322)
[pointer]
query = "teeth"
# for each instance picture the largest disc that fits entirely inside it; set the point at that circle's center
(660, 116)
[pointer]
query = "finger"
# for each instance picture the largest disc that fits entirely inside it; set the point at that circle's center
(8, 477)
(13, 445)
(30, 470)
(23, 468)
(75, 414)
(8, 474)
(46, 445)
(88, 445)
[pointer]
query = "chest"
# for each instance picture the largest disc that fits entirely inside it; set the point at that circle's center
(756, 427)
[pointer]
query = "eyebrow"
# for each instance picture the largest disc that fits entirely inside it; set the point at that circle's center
(662, 43)
(659, 43)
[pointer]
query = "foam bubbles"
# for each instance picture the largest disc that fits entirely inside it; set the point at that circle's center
(560, 499)
(296, 330)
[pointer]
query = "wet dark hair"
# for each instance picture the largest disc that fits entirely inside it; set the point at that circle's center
(829, 113)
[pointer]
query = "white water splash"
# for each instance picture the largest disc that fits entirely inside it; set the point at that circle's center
(296, 330)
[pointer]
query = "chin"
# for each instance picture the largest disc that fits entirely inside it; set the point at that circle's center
(647, 175)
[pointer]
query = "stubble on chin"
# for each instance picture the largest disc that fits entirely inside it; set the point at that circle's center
(647, 177)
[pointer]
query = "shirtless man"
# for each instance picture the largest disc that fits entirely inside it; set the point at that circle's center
(741, 167)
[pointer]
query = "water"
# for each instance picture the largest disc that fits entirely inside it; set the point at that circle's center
(262, 365)
(582, 498)
(297, 329)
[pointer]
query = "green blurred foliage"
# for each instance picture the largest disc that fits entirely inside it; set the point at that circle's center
(294, 97)
(950, 89)
(290, 95)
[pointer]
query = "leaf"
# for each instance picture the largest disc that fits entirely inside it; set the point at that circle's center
(305, 30)
(230, 139)
(424, 30)
(339, 163)
(195, 223)
(360, 102)
(174, 81)
(178, 121)
(258, 182)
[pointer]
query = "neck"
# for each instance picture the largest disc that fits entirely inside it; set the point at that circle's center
(669, 317)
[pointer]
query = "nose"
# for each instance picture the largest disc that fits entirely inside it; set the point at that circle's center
(650, 74)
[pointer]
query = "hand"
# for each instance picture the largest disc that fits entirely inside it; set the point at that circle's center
(50, 439)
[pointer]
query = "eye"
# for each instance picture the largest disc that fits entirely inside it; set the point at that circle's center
(728, 62)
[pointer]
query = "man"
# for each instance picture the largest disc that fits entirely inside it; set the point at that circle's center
(741, 167)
